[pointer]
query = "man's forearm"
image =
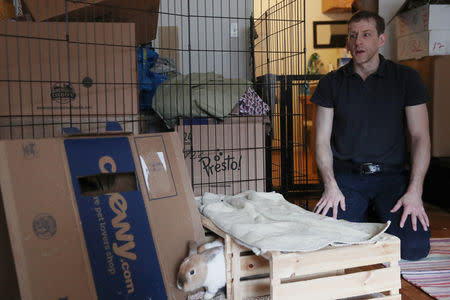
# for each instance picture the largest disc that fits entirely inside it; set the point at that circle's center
(420, 160)
(324, 159)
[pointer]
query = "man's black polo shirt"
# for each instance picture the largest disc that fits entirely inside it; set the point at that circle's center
(369, 123)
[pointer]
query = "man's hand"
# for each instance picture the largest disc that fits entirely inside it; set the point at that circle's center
(332, 197)
(412, 205)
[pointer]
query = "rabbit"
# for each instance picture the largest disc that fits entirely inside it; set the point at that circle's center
(204, 267)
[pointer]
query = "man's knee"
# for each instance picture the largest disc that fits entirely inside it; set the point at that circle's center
(415, 246)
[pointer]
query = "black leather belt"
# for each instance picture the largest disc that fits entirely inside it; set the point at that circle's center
(365, 168)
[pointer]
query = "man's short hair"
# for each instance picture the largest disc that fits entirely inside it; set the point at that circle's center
(364, 15)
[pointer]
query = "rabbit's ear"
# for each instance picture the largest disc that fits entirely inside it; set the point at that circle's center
(192, 248)
(210, 253)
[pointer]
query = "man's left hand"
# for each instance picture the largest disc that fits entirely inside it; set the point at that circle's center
(412, 205)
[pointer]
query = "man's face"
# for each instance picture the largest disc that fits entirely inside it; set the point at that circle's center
(363, 40)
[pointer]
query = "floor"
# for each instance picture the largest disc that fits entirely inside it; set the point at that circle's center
(440, 227)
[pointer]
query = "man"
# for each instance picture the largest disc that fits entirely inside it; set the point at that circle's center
(363, 112)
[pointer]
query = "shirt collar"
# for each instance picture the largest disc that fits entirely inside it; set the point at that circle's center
(349, 71)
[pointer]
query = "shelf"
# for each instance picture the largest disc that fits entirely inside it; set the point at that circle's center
(336, 6)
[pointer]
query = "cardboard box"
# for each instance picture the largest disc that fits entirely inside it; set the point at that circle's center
(425, 43)
(435, 71)
(110, 219)
(143, 13)
(423, 31)
(91, 74)
(424, 18)
(226, 157)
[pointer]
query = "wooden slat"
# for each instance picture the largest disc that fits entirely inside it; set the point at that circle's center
(211, 226)
(275, 280)
(235, 272)
(228, 255)
(313, 276)
(348, 285)
(207, 223)
(254, 265)
(395, 297)
(298, 264)
(254, 288)
(377, 296)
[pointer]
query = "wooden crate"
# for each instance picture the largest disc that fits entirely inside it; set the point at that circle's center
(329, 273)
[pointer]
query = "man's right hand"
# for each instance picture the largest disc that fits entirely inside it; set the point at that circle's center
(332, 197)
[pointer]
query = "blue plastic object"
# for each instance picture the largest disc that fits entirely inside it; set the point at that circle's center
(110, 126)
(148, 81)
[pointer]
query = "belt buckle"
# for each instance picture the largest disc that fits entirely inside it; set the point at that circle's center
(369, 168)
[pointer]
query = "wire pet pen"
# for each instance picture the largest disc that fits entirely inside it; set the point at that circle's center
(230, 84)
(280, 69)
(67, 64)
(230, 143)
(211, 101)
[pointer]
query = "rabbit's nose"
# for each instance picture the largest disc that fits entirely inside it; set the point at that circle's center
(180, 283)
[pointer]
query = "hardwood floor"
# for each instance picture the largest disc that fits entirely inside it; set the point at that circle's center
(440, 228)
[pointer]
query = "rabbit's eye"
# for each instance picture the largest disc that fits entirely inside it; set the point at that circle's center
(192, 272)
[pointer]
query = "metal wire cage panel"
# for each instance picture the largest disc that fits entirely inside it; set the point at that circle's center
(209, 98)
(230, 83)
(280, 71)
(72, 64)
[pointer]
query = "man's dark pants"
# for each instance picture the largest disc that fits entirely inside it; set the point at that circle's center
(368, 196)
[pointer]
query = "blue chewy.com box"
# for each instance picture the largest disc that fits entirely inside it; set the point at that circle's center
(100, 217)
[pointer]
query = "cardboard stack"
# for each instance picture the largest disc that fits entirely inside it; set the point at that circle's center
(423, 31)
(111, 218)
(423, 43)
(435, 71)
(81, 74)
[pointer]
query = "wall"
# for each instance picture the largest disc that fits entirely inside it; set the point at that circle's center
(213, 48)
(217, 52)
(313, 13)
(387, 9)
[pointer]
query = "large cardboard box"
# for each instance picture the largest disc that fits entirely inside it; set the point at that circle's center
(424, 18)
(144, 13)
(423, 31)
(110, 219)
(435, 71)
(425, 43)
(225, 157)
(91, 71)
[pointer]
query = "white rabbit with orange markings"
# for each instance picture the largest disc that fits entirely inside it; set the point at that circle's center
(204, 267)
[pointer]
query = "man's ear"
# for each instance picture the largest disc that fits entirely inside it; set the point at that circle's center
(381, 40)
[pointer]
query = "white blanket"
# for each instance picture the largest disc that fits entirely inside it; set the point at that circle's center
(266, 222)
